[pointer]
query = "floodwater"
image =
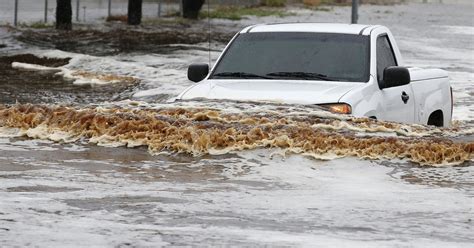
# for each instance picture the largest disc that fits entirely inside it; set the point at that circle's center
(89, 189)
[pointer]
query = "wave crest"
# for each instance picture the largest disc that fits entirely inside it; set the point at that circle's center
(209, 131)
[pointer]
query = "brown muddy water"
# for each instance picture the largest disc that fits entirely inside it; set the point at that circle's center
(207, 131)
(91, 155)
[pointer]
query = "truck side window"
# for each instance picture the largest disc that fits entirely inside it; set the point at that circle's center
(385, 56)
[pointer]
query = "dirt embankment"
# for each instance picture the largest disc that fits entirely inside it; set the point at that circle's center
(5, 62)
(111, 39)
(47, 87)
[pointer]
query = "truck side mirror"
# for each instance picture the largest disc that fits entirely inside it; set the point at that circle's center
(394, 76)
(197, 72)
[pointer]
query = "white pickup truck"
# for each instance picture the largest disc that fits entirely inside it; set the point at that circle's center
(347, 69)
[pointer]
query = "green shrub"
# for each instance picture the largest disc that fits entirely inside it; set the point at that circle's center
(274, 3)
(237, 13)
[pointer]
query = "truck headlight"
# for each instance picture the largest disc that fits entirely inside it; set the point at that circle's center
(338, 108)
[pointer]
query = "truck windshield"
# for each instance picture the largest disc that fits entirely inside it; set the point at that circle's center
(293, 55)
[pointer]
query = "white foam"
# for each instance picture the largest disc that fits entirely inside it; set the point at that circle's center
(467, 30)
(74, 76)
(8, 132)
(33, 67)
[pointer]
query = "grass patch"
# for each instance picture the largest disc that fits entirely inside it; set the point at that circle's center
(164, 21)
(35, 25)
(325, 9)
(320, 8)
(238, 13)
(336, 2)
(349, 2)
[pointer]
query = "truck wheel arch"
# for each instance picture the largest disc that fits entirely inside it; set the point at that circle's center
(372, 114)
(436, 118)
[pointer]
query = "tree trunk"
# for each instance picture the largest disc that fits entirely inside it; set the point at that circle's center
(63, 14)
(191, 8)
(134, 12)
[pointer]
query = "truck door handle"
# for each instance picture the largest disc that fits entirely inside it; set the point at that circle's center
(405, 97)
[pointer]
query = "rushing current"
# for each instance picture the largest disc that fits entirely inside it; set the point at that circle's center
(209, 131)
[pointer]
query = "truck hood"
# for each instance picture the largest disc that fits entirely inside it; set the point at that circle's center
(280, 91)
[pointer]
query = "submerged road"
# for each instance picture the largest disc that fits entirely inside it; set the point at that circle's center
(82, 195)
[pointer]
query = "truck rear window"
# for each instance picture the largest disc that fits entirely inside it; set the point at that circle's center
(294, 55)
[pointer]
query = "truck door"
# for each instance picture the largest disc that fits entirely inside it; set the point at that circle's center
(398, 102)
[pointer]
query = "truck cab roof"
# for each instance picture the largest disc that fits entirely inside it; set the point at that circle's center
(312, 28)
